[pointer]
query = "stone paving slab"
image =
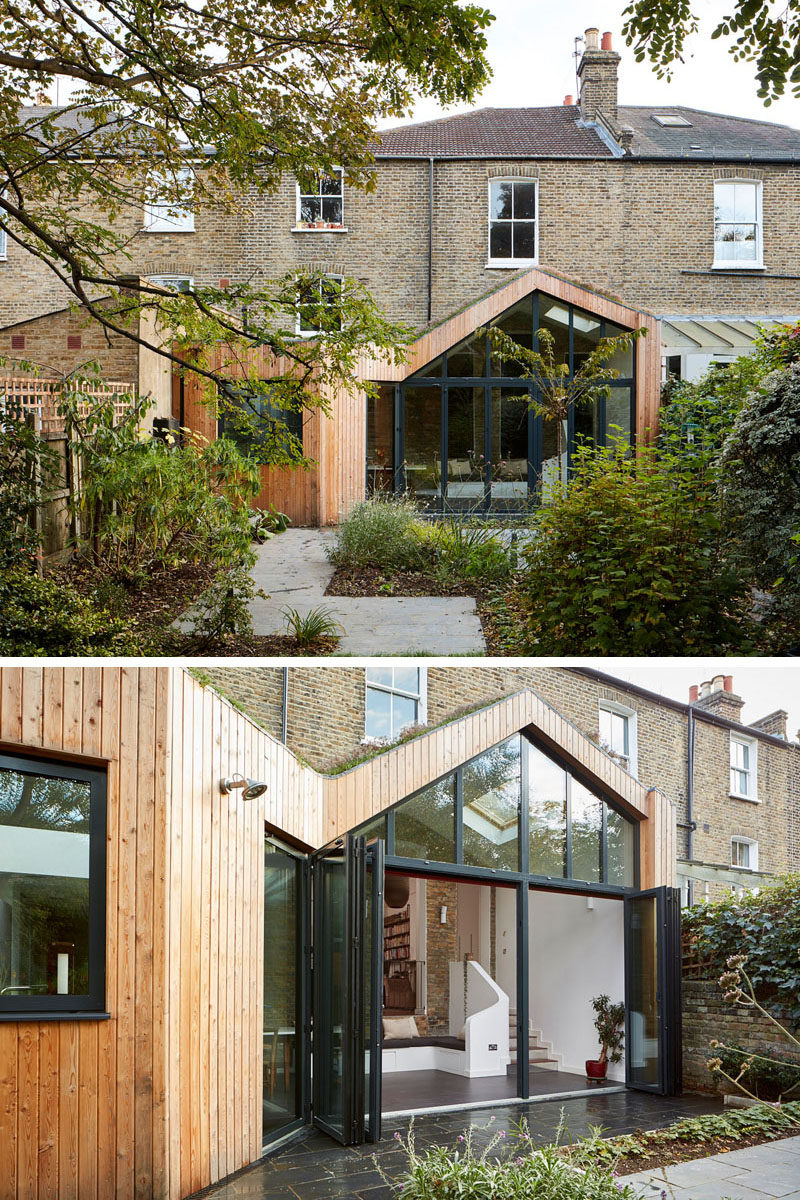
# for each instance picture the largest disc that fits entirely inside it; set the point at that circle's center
(294, 570)
(770, 1171)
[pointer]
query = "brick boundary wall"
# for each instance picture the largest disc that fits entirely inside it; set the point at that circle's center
(706, 1015)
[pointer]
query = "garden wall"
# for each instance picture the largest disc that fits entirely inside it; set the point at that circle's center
(706, 1015)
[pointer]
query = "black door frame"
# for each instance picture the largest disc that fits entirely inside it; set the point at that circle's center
(668, 988)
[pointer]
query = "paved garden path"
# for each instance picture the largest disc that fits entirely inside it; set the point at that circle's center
(756, 1173)
(316, 1168)
(294, 571)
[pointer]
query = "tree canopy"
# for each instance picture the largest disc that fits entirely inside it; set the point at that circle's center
(759, 32)
(201, 102)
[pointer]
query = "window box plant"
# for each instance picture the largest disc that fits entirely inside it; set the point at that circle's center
(609, 1021)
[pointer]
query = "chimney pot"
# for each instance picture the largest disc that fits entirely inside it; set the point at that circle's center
(718, 683)
(728, 684)
(592, 39)
(705, 688)
(567, 101)
(605, 44)
(694, 693)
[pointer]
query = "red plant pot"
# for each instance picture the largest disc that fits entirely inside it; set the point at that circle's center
(595, 1069)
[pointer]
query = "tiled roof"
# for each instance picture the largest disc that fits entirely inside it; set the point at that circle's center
(494, 132)
(557, 132)
(716, 135)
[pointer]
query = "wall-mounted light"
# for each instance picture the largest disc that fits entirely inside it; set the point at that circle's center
(590, 903)
(252, 788)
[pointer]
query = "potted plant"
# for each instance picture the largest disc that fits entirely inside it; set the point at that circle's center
(609, 1021)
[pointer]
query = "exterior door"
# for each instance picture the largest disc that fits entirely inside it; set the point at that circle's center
(346, 1046)
(653, 991)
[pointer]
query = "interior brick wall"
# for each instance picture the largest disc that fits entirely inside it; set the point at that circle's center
(441, 951)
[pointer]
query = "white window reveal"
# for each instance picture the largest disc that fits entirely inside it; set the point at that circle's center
(744, 760)
(738, 235)
(744, 853)
(317, 307)
(173, 283)
(396, 699)
(3, 245)
(166, 212)
(322, 207)
(618, 734)
(513, 225)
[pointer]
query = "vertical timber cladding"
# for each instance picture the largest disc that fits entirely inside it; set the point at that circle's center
(163, 1098)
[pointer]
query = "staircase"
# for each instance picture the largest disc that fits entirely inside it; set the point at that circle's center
(540, 1054)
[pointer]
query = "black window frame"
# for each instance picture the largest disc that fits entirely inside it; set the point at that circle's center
(93, 1003)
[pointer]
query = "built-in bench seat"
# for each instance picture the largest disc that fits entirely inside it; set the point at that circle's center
(439, 1053)
(452, 1043)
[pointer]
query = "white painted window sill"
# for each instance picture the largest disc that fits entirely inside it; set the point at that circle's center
(163, 229)
(749, 799)
(511, 264)
(738, 266)
(307, 229)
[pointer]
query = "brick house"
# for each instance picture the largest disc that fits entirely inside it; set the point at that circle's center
(671, 217)
(736, 788)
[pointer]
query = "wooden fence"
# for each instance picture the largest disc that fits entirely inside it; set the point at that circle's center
(37, 401)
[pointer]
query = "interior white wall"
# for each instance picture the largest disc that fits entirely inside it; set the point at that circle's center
(506, 935)
(576, 953)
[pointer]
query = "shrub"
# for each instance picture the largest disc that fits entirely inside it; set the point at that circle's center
(765, 928)
(469, 551)
(525, 1171)
(27, 472)
(629, 557)
(766, 1079)
(42, 617)
(383, 532)
(761, 461)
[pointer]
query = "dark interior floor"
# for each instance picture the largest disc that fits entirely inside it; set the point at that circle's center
(408, 1091)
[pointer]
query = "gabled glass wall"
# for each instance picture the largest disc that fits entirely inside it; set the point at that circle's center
(512, 810)
(461, 435)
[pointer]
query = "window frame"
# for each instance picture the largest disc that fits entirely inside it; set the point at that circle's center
(752, 843)
(631, 716)
(309, 333)
(511, 263)
(420, 697)
(93, 1003)
(729, 264)
(3, 245)
(299, 225)
(752, 770)
(159, 281)
(154, 219)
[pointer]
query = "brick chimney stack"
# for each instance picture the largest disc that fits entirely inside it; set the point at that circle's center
(774, 723)
(597, 74)
(717, 695)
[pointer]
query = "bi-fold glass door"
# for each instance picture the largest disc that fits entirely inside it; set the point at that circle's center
(347, 900)
(652, 990)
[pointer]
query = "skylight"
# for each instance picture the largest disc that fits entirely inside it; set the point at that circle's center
(671, 119)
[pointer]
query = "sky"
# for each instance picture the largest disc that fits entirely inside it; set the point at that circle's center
(764, 684)
(531, 47)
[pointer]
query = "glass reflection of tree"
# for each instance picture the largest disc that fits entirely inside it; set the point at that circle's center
(492, 792)
(548, 816)
(424, 825)
(41, 803)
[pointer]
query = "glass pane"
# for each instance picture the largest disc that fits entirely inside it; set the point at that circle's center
(618, 414)
(491, 808)
(501, 200)
(500, 239)
(643, 969)
(620, 843)
(381, 675)
(468, 359)
(724, 202)
(281, 915)
(433, 369)
(548, 815)
(587, 829)
(331, 993)
(622, 361)
(44, 885)
(380, 440)
(744, 202)
(310, 208)
(614, 732)
(331, 185)
(518, 324)
(404, 713)
(376, 828)
(524, 239)
(423, 444)
(554, 317)
(332, 210)
(587, 422)
(585, 337)
(407, 679)
(424, 827)
(509, 433)
(551, 474)
(379, 714)
(466, 462)
(524, 201)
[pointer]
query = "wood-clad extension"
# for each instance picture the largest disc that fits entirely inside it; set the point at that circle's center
(164, 1097)
(334, 436)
